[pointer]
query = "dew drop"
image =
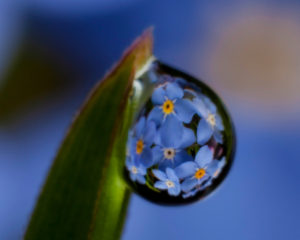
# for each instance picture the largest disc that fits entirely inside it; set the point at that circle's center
(181, 145)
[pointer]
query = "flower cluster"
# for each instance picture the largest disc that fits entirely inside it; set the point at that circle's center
(170, 148)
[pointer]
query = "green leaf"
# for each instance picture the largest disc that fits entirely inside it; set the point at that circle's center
(84, 196)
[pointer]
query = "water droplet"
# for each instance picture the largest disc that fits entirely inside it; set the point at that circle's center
(181, 145)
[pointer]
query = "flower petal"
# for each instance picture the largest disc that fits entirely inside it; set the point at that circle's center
(156, 115)
(213, 167)
(133, 176)
(141, 170)
(171, 132)
(184, 110)
(182, 156)
(210, 105)
(174, 191)
(132, 145)
(204, 156)
(150, 133)
(204, 132)
(218, 136)
(189, 184)
(171, 175)
(146, 158)
(158, 96)
(190, 194)
(200, 107)
(206, 184)
(158, 154)
(140, 126)
(174, 91)
(219, 123)
(166, 163)
(222, 162)
(160, 175)
(188, 138)
(203, 179)
(160, 185)
(141, 179)
(186, 169)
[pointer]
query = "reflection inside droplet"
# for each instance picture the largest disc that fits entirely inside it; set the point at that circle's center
(180, 147)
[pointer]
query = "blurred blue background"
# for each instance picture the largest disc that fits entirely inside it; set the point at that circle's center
(248, 51)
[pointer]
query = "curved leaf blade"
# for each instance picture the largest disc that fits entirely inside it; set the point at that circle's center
(84, 196)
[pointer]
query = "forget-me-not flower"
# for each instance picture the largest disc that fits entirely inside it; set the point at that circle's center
(167, 181)
(137, 172)
(214, 169)
(169, 102)
(195, 172)
(211, 123)
(141, 140)
(171, 140)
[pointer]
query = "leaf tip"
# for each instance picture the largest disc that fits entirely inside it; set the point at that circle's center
(142, 48)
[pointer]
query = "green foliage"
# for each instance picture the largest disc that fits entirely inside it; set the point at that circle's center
(84, 196)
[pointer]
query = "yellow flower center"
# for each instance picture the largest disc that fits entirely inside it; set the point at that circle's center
(139, 146)
(134, 170)
(169, 184)
(169, 153)
(168, 107)
(200, 173)
(211, 119)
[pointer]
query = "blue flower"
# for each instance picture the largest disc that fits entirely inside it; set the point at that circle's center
(169, 102)
(195, 172)
(211, 123)
(168, 181)
(137, 172)
(141, 140)
(214, 170)
(171, 140)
